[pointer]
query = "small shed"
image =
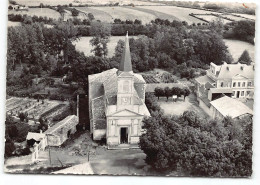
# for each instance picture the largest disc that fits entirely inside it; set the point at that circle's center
(34, 138)
(227, 106)
(61, 131)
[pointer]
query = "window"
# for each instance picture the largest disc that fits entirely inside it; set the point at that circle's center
(242, 93)
(243, 84)
(249, 84)
(221, 84)
(234, 84)
(126, 85)
(247, 93)
(238, 84)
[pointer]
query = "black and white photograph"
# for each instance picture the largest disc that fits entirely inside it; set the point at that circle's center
(130, 88)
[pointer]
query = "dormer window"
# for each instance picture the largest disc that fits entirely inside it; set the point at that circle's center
(227, 68)
(241, 67)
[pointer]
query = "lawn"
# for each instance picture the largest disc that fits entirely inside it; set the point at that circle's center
(237, 47)
(98, 14)
(157, 14)
(177, 108)
(83, 45)
(182, 14)
(44, 12)
(126, 14)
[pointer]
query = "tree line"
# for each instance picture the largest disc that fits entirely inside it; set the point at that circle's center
(168, 92)
(194, 146)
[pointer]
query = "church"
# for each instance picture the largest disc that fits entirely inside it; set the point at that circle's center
(117, 104)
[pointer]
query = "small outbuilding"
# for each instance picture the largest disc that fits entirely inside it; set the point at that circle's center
(227, 106)
(61, 131)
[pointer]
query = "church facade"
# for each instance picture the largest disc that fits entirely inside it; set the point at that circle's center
(117, 103)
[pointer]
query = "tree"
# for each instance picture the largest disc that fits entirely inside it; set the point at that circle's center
(101, 33)
(245, 58)
(158, 92)
(185, 92)
(74, 12)
(167, 92)
(192, 146)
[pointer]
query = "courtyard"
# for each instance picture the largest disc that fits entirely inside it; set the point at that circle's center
(172, 107)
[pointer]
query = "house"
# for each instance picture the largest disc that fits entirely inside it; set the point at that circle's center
(61, 131)
(232, 80)
(32, 138)
(116, 104)
(227, 106)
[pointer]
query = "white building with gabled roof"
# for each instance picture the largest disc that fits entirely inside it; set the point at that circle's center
(116, 104)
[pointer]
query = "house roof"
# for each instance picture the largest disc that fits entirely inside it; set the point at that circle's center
(231, 70)
(126, 64)
(221, 90)
(35, 136)
(204, 79)
(208, 85)
(72, 119)
(231, 107)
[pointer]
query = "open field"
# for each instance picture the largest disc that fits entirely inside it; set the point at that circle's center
(237, 47)
(98, 14)
(89, 2)
(10, 23)
(83, 45)
(126, 14)
(212, 18)
(182, 14)
(44, 12)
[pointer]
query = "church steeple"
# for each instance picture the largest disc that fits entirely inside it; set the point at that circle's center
(126, 64)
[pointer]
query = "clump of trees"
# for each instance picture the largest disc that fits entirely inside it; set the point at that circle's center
(195, 146)
(245, 58)
(168, 92)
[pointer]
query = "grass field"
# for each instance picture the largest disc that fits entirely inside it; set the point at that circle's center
(237, 47)
(211, 18)
(89, 2)
(126, 14)
(38, 12)
(10, 23)
(181, 14)
(83, 45)
(98, 14)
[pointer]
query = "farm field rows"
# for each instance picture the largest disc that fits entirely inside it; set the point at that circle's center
(44, 12)
(126, 14)
(247, 16)
(237, 47)
(35, 109)
(181, 13)
(235, 18)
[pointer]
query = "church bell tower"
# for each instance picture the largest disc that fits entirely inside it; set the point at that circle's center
(125, 82)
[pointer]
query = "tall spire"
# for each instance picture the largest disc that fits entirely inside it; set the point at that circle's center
(126, 64)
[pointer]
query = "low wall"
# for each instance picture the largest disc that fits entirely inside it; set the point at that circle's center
(204, 107)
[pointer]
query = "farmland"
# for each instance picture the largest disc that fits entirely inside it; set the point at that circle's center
(44, 12)
(98, 14)
(211, 18)
(35, 109)
(89, 2)
(182, 14)
(237, 47)
(126, 14)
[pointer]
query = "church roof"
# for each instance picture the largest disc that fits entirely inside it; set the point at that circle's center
(126, 64)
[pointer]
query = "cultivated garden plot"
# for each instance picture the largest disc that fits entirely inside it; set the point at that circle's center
(126, 14)
(44, 12)
(45, 108)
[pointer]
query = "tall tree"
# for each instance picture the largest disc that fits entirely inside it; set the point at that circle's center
(245, 58)
(101, 33)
